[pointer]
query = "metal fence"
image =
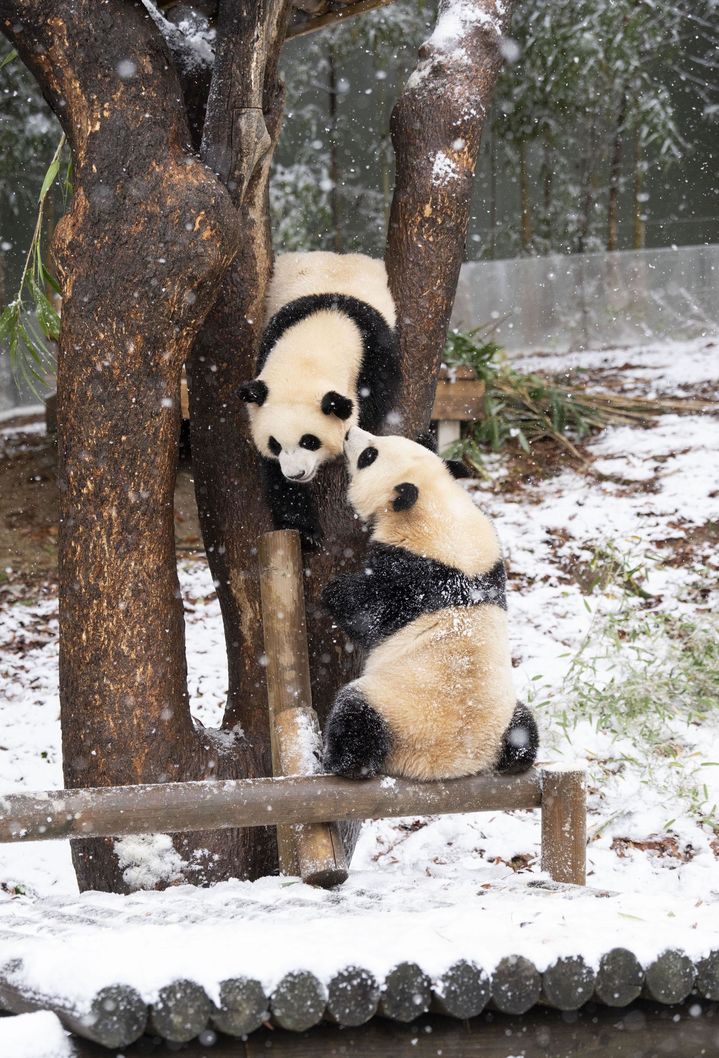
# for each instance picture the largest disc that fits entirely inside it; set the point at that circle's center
(581, 301)
(592, 301)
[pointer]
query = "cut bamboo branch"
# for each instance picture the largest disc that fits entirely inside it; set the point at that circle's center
(171, 808)
(314, 849)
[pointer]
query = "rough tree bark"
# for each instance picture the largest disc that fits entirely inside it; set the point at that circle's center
(139, 255)
(241, 130)
(436, 129)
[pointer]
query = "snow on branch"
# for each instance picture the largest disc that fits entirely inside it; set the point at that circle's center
(191, 40)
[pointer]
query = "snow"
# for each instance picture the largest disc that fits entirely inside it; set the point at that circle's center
(439, 889)
(34, 1036)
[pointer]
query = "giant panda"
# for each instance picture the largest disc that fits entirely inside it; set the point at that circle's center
(435, 699)
(328, 360)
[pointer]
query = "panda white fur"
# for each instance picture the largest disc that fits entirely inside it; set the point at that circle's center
(328, 360)
(435, 698)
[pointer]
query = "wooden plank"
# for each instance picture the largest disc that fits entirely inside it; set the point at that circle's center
(462, 400)
(171, 808)
(315, 850)
(568, 983)
(564, 824)
(301, 26)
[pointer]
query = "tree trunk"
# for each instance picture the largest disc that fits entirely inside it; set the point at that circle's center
(436, 129)
(587, 190)
(139, 255)
(239, 138)
(639, 233)
(525, 205)
(615, 172)
(334, 161)
(547, 187)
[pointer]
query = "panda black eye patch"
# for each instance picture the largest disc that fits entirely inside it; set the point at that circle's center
(367, 457)
(310, 442)
(274, 446)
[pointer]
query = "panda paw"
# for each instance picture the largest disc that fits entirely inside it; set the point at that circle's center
(357, 738)
(519, 743)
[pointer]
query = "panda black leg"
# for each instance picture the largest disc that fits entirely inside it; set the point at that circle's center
(519, 743)
(357, 738)
(292, 505)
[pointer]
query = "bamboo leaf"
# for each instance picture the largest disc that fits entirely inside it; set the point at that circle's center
(50, 176)
(7, 59)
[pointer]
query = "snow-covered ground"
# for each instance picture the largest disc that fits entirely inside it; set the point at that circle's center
(613, 611)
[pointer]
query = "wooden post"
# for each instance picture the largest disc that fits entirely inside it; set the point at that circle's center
(564, 824)
(314, 850)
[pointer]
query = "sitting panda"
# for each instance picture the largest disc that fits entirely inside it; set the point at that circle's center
(435, 699)
(328, 360)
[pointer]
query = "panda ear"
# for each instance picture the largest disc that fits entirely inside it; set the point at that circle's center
(254, 392)
(427, 440)
(406, 497)
(335, 404)
(457, 468)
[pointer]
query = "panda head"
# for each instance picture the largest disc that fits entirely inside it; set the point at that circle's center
(300, 431)
(395, 482)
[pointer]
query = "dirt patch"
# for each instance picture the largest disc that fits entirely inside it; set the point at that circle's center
(660, 846)
(29, 504)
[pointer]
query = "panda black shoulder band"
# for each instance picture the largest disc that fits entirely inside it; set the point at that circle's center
(371, 324)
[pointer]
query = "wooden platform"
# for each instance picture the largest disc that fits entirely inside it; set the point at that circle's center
(181, 1009)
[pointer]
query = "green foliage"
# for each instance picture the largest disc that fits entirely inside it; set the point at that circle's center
(23, 331)
(517, 407)
(642, 675)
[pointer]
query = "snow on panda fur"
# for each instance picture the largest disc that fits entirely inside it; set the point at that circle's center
(328, 360)
(436, 697)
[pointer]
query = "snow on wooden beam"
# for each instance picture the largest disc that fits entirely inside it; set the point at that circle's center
(311, 23)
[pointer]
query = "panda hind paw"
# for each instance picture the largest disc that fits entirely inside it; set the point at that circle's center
(357, 739)
(519, 743)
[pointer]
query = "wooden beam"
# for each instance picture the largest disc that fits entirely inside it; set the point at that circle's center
(564, 824)
(176, 807)
(310, 25)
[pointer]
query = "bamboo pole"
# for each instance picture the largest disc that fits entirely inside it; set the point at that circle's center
(314, 850)
(171, 808)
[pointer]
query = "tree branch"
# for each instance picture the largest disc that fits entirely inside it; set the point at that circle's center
(436, 129)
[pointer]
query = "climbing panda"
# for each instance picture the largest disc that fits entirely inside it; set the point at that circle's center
(328, 360)
(435, 699)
